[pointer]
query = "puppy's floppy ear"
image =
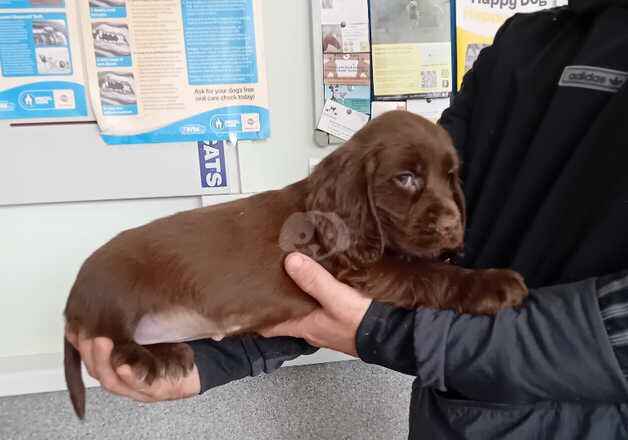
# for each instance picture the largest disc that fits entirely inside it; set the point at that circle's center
(343, 184)
(460, 200)
(458, 193)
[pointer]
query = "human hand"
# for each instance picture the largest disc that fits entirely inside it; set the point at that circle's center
(334, 325)
(96, 355)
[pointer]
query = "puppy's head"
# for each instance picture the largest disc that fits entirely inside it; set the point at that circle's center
(396, 185)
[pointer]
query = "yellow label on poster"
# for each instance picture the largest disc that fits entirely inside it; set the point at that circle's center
(411, 69)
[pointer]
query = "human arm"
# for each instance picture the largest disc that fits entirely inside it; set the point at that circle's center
(555, 347)
(216, 363)
(222, 362)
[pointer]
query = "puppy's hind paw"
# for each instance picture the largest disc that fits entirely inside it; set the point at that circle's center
(152, 362)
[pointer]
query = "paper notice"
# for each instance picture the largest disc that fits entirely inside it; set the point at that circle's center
(176, 70)
(41, 69)
(411, 48)
(431, 109)
(354, 69)
(357, 98)
(379, 107)
(345, 26)
(341, 121)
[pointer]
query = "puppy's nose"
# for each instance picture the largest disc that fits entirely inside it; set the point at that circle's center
(447, 224)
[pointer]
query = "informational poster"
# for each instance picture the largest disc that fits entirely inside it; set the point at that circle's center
(41, 73)
(176, 70)
(411, 47)
(357, 98)
(345, 26)
(346, 53)
(477, 22)
(347, 68)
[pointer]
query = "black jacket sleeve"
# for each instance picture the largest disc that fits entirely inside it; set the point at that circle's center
(235, 358)
(613, 300)
(555, 348)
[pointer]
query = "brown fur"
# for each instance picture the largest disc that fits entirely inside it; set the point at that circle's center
(395, 186)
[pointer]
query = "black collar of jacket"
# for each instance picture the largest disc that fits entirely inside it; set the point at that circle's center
(593, 5)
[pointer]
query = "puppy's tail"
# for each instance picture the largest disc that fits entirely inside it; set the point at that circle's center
(72, 364)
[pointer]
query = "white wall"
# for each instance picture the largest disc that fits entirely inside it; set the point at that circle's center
(42, 250)
(42, 247)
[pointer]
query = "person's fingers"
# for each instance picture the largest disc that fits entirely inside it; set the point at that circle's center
(313, 279)
(291, 328)
(101, 352)
(96, 355)
(71, 336)
(126, 375)
(162, 388)
(86, 350)
(130, 379)
(143, 392)
(101, 349)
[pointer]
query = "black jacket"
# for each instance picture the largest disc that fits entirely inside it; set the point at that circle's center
(545, 154)
(545, 165)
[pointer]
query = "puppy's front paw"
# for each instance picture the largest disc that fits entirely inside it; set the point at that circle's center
(487, 292)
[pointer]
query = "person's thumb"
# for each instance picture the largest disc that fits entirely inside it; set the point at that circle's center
(312, 278)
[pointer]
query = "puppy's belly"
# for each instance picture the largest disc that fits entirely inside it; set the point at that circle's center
(180, 325)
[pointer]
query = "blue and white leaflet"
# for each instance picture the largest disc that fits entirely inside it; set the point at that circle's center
(41, 69)
(176, 70)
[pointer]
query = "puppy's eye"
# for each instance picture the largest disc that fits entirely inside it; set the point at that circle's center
(452, 176)
(408, 181)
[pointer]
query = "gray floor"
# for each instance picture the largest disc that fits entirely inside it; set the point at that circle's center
(347, 400)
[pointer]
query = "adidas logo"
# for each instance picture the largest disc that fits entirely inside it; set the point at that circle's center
(617, 81)
(590, 77)
(593, 78)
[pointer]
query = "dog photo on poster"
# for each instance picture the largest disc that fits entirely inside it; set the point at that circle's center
(411, 46)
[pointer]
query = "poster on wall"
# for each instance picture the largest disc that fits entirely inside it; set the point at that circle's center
(411, 48)
(176, 70)
(346, 53)
(345, 26)
(357, 97)
(41, 71)
(347, 68)
(477, 22)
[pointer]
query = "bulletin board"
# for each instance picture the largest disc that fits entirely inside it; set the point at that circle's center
(373, 56)
(52, 149)
(67, 161)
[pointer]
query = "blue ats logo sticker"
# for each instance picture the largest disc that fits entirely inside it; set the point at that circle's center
(213, 165)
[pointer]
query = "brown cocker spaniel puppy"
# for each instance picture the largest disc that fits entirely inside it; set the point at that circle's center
(381, 213)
